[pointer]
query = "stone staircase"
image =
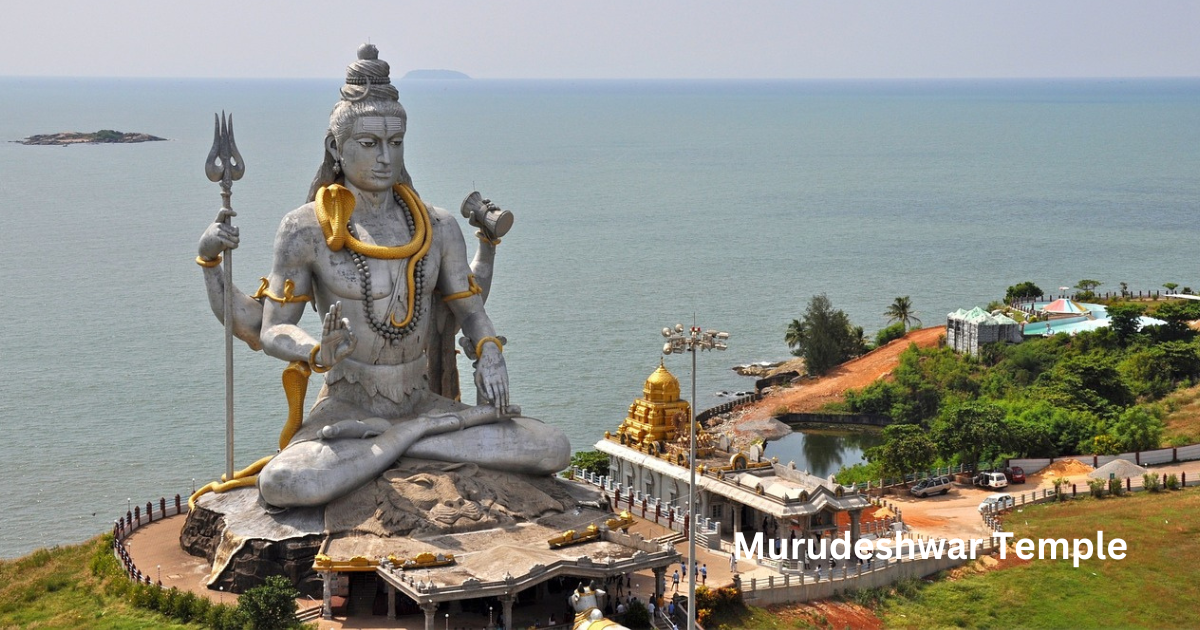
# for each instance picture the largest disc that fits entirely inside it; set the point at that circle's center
(672, 538)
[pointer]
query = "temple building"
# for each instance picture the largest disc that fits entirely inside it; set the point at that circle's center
(739, 489)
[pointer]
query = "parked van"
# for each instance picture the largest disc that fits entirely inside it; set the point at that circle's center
(991, 480)
(930, 487)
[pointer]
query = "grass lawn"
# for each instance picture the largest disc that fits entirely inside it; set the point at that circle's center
(1183, 420)
(56, 588)
(1155, 586)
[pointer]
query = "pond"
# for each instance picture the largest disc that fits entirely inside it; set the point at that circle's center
(823, 452)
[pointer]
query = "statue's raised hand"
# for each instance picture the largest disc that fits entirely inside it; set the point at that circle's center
(491, 376)
(337, 340)
(219, 236)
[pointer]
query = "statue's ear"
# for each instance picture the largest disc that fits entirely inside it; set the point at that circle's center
(331, 147)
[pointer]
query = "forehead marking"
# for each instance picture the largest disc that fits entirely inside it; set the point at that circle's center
(382, 124)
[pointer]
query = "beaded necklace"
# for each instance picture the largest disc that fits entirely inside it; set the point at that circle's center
(386, 328)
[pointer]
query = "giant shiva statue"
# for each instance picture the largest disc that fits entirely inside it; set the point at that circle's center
(390, 275)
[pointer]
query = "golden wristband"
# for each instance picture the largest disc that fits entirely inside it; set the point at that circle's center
(479, 346)
(204, 262)
(480, 235)
(312, 361)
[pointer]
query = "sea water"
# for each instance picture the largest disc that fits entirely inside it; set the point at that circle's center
(638, 205)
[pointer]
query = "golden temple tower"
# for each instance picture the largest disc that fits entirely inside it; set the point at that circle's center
(659, 414)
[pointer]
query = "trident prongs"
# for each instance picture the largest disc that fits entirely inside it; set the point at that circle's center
(224, 163)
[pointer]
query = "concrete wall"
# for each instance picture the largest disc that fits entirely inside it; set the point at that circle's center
(1141, 458)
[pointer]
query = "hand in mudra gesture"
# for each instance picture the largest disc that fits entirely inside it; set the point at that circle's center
(491, 376)
(337, 340)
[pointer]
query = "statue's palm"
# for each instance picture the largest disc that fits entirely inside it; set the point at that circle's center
(337, 339)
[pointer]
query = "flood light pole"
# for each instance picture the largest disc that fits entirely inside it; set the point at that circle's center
(677, 343)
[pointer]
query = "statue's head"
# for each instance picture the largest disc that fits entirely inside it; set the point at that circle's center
(367, 94)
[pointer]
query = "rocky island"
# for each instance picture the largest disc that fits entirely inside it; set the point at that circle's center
(104, 136)
(426, 74)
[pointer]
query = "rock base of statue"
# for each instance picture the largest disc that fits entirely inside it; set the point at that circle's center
(416, 507)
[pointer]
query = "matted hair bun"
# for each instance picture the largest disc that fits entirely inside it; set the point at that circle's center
(369, 77)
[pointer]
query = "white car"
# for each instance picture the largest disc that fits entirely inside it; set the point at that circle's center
(991, 480)
(931, 486)
(997, 502)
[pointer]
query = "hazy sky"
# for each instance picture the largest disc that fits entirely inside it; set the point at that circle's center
(605, 38)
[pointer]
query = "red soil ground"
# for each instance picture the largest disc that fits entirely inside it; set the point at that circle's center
(811, 395)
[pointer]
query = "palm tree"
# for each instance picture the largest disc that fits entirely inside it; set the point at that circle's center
(795, 336)
(901, 311)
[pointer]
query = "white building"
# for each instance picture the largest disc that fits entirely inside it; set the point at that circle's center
(968, 331)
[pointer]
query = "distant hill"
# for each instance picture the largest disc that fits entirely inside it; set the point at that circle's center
(435, 74)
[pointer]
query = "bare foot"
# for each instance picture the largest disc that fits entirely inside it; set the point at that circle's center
(360, 429)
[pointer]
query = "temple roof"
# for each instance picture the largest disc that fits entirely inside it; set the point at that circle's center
(662, 386)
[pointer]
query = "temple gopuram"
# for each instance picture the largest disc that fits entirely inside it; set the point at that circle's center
(738, 490)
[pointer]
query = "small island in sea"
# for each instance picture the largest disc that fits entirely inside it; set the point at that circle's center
(104, 136)
(435, 74)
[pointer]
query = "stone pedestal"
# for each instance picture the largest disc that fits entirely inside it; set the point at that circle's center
(246, 543)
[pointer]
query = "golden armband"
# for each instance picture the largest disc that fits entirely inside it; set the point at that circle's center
(204, 262)
(289, 293)
(472, 289)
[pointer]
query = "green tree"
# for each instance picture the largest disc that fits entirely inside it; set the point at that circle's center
(1137, 429)
(1123, 319)
(1087, 288)
(906, 448)
(901, 311)
(1090, 382)
(824, 337)
(889, 334)
(1170, 286)
(1022, 291)
(1105, 444)
(1177, 314)
(971, 430)
(594, 462)
(795, 336)
(270, 605)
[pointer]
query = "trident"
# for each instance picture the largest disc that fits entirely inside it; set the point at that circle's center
(224, 165)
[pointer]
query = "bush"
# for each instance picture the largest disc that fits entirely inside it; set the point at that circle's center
(270, 605)
(866, 597)
(1059, 483)
(889, 334)
(594, 462)
(878, 397)
(1115, 487)
(1172, 482)
(637, 615)
(907, 587)
(1096, 487)
(222, 617)
(1150, 482)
